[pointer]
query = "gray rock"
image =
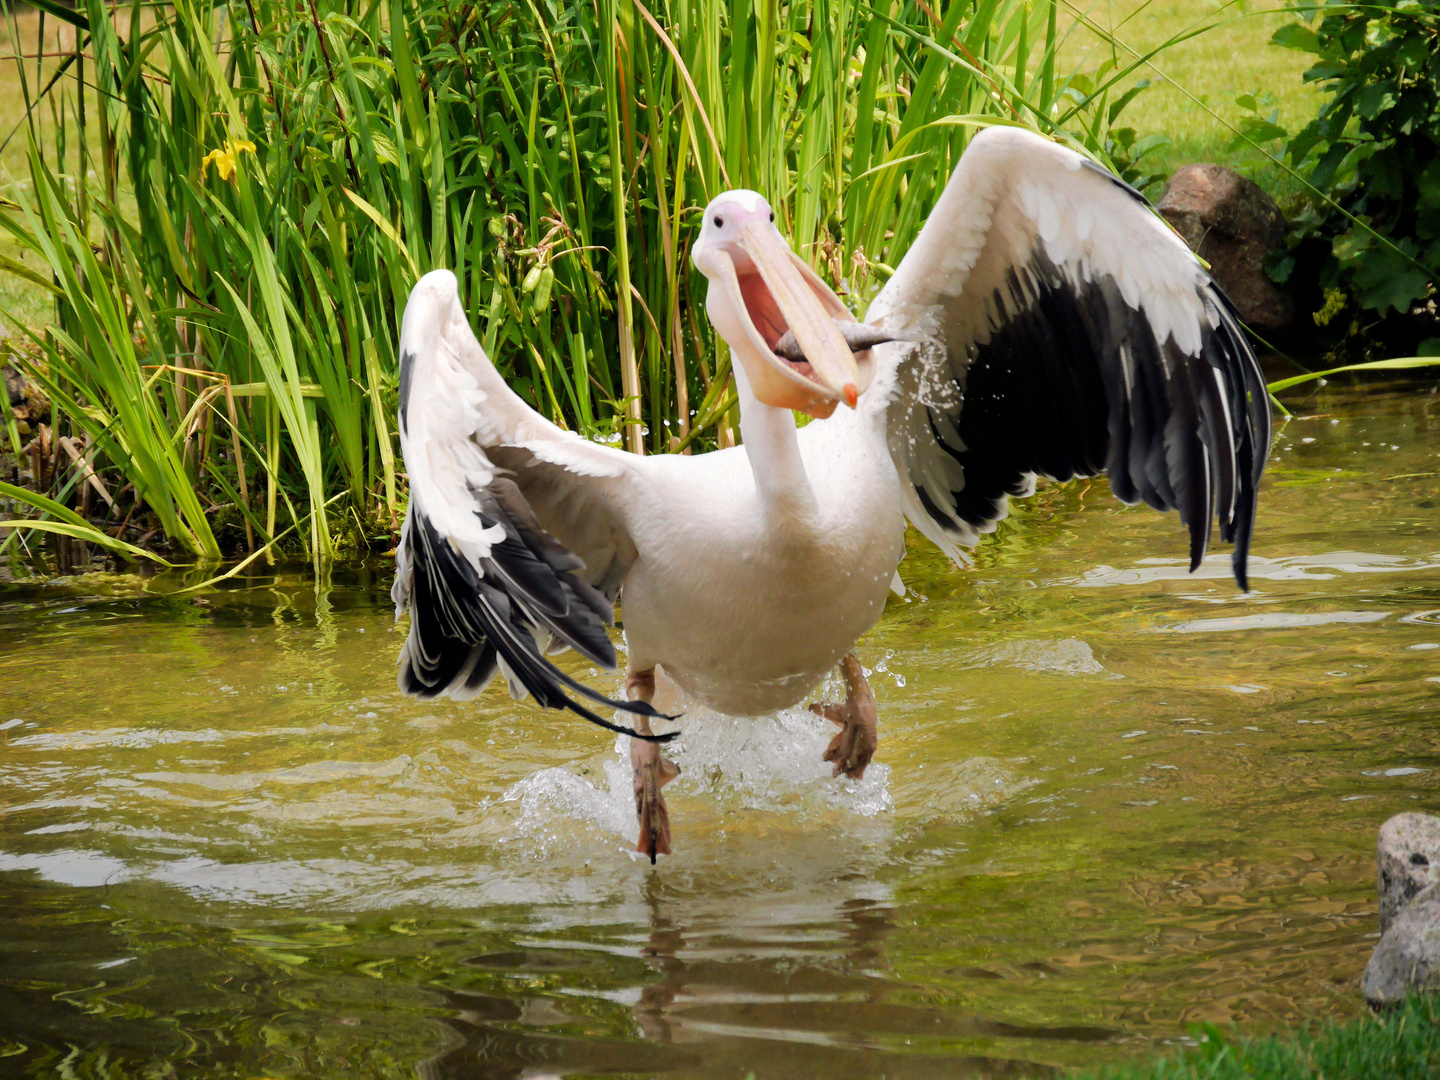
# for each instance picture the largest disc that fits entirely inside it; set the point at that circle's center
(1407, 862)
(14, 385)
(1408, 956)
(27, 401)
(1232, 224)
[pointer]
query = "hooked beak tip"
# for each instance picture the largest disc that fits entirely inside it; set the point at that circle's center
(852, 394)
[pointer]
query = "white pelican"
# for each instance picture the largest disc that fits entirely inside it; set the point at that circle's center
(1045, 323)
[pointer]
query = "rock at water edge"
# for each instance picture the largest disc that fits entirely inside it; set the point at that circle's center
(1408, 956)
(1407, 861)
(1232, 224)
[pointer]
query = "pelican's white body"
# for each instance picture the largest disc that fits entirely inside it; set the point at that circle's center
(746, 594)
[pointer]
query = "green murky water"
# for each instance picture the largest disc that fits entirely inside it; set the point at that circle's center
(1111, 799)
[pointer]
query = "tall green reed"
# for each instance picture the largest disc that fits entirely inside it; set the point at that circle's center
(273, 176)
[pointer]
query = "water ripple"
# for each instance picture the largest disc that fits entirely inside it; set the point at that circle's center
(1323, 567)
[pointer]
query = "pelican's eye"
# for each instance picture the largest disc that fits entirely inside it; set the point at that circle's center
(772, 215)
(719, 222)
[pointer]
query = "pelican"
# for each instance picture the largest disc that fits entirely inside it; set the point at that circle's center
(1044, 323)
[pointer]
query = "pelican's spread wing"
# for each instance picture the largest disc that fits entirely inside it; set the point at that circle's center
(487, 584)
(1070, 331)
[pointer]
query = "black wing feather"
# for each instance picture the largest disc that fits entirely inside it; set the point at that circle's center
(463, 623)
(1071, 381)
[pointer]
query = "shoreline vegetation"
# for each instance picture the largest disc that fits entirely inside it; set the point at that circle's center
(1400, 1044)
(222, 229)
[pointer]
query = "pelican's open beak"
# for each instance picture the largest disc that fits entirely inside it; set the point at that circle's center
(759, 290)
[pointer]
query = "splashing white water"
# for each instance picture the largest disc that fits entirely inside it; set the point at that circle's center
(773, 763)
(770, 763)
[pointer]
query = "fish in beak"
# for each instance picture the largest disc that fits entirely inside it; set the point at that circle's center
(761, 293)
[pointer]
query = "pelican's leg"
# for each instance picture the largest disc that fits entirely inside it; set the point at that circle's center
(652, 773)
(853, 748)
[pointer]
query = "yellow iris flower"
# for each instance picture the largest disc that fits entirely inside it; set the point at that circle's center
(224, 158)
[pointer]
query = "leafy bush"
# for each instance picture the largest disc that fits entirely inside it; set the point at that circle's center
(1374, 150)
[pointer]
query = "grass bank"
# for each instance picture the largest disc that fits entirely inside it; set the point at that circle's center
(1399, 1045)
(1191, 101)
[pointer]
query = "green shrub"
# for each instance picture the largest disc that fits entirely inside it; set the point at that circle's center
(1373, 150)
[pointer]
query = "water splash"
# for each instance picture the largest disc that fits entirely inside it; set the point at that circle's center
(560, 808)
(771, 763)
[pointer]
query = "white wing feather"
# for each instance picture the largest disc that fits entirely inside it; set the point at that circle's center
(1030, 247)
(488, 583)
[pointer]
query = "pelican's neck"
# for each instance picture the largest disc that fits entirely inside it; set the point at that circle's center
(772, 446)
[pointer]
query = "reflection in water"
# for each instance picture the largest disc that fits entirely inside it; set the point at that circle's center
(1324, 566)
(1102, 809)
(1272, 620)
(716, 1001)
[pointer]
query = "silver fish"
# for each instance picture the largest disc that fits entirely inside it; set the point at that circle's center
(859, 336)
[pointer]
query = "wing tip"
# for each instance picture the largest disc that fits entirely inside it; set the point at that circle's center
(465, 627)
(1240, 557)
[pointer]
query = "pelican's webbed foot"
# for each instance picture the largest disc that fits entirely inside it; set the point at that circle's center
(851, 750)
(652, 772)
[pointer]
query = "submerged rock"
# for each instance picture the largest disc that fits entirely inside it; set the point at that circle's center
(1407, 861)
(1232, 224)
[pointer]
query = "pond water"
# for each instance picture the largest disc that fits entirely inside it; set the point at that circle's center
(1111, 800)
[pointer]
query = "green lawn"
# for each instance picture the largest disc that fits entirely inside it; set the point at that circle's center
(1197, 81)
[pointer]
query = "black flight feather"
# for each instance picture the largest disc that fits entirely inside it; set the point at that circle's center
(1072, 381)
(464, 624)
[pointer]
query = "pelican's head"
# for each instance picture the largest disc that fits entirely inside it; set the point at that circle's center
(759, 289)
